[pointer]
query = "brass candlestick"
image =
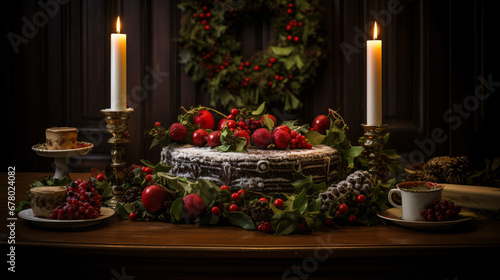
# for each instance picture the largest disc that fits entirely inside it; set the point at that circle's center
(373, 143)
(117, 125)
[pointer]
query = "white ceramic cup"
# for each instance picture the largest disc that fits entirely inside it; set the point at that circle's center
(414, 197)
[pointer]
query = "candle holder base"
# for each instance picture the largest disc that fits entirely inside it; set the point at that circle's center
(117, 125)
(373, 142)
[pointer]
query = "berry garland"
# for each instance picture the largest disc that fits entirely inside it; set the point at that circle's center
(210, 50)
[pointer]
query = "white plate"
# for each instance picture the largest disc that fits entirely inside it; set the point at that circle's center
(394, 215)
(27, 214)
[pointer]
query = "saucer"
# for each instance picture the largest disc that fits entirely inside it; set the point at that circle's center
(27, 214)
(394, 215)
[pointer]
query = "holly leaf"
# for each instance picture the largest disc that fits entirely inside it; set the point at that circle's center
(176, 210)
(282, 51)
(285, 227)
(241, 219)
(314, 137)
(353, 153)
(300, 202)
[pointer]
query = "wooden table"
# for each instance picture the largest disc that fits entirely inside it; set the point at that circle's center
(122, 249)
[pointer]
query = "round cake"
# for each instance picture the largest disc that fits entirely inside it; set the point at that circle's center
(267, 171)
(45, 199)
(61, 138)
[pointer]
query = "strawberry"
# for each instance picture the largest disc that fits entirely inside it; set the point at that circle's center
(242, 133)
(193, 206)
(281, 139)
(262, 138)
(178, 132)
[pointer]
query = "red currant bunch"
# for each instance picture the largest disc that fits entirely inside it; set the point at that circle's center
(82, 202)
(299, 141)
(441, 211)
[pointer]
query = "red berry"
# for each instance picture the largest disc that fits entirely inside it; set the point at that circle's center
(213, 139)
(329, 223)
(231, 124)
(266, 227)
(361, 198)
(234, 112)
(241, 192)
(132, 216)
(199, 137)
(343, 208)
(207, 27)
(147, 170)
(301, 228)
(216, 211)
(256, 68)
(235, 196)
(224, 187)
(278, 203)
(100, 177)
(263, 199)
(353, 219)
(233, 207)
(149, 177)
(157, 124)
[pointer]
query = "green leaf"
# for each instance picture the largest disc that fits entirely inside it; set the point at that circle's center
(282, 51)
(298, 61)
(259, 111)
(300, 184)
(285, 227)
(241, 219)
(122, 211)
(315, 138)
(315, 205)
(300, 202)
(353, 153)
(176, 210)
(268, 122)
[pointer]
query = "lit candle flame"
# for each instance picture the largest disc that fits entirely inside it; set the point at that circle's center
(118, 25)
(375, 32)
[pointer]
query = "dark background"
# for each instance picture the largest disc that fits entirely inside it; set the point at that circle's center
(435, 55)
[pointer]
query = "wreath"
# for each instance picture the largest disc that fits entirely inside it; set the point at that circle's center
(211, 53)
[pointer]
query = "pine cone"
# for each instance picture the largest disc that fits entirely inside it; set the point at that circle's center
(434, 168)
(345, 192)
(456, 169)
(131, 195)
(445, 169)
(261, 212)
(128, 175)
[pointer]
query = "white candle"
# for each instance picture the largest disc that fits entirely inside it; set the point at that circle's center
(374, 80)
(118, 70)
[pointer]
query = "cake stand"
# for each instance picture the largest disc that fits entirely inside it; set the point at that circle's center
(62, 157)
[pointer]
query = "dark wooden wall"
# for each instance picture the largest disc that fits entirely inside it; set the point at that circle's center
(435, 55)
